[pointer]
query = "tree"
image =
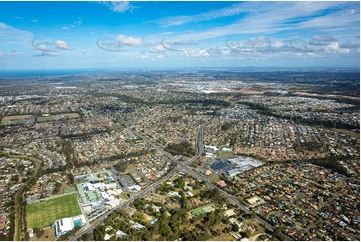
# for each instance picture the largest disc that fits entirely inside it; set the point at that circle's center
(226, 126)
(21, 167)
(57, 187)
(15, 178)
(248, 233)
(71, 178)
(227, 230)
(4, 237)
(121, 166)
(87, 237)
(68, 151)
(183, 148)
(99, 233)
(235, 228)
(179, 182)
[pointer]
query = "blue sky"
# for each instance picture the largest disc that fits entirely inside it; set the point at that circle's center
(116, 35)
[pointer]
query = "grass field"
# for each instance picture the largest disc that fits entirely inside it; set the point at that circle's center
(215, 179)
(124, 196)
(242, 105)
(44, 213)
(57, 117)
(12, 119)
(225, 154)
(223, 237)
(229, 98)
(348, 132)
(204, 209)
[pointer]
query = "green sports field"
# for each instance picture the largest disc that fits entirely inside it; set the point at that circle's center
(43, 214)
(202, 210)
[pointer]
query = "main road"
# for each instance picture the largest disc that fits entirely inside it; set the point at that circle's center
(181, 166)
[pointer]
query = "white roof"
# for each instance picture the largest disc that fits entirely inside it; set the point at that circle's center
(107, 236)
(120, 233)
(63, 225)
(134, 187)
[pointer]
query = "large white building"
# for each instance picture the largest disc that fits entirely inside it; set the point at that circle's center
(65, 225)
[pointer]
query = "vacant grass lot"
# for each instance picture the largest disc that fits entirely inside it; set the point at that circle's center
(44, 213)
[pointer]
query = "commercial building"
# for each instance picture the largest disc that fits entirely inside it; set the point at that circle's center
(65, 225)
(128, 183)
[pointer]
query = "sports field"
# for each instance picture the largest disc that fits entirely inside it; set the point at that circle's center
(202, 210)
(43, 214)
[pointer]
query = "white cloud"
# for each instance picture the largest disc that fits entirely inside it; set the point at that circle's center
(322, 39)
(73, 25)
(50, 46)
(4, 26)
(216, 51)
(327, 44)
(161, 56)
(48, 54)
(119, 6)
(260, 42)
(274, 17)
(277, 44)
(318, 44)
(335, 47)
(350, 45)
(174, 21)
(157, 49)
(129, 40)
(142, 56)
(337, 19)
(233, 10)
(61, 44)
(10, 35)
(256, 44)
(202, 53)
(262, 48)
(43, 47)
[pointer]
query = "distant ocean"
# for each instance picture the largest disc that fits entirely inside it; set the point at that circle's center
(35, 73)
(32, 73)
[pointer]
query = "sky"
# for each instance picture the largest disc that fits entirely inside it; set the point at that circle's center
(118, 35)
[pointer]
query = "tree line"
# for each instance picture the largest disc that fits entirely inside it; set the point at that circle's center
(183, 148)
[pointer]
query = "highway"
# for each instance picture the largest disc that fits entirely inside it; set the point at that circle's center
(181, 166)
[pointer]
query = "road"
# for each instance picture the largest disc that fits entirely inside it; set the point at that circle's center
(19, 222)
(154, 185)
(181, 166)
(188, 170)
